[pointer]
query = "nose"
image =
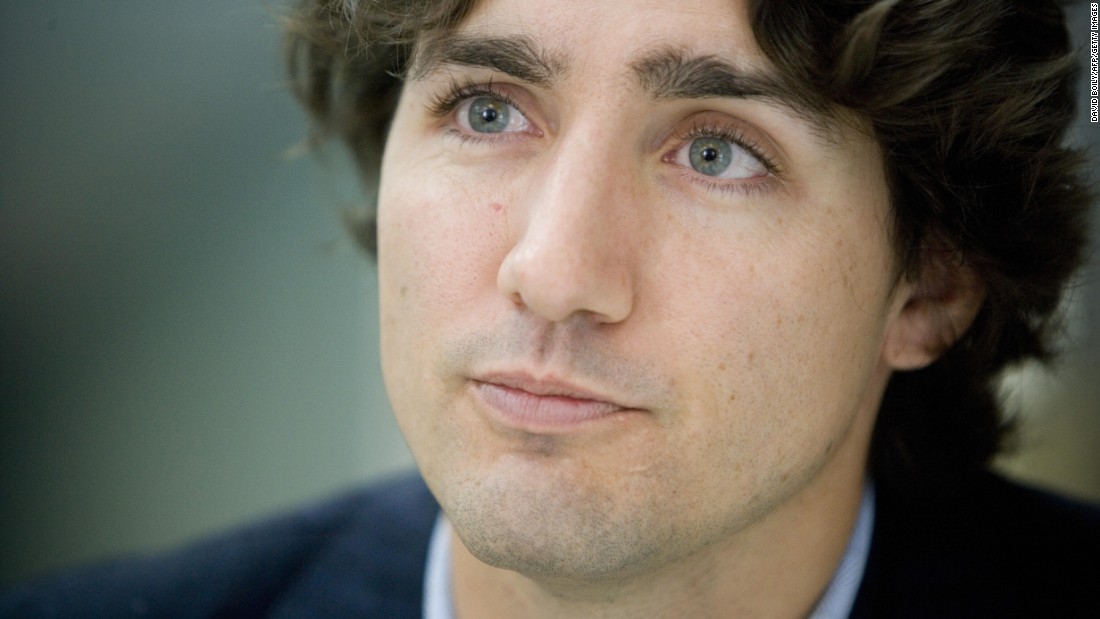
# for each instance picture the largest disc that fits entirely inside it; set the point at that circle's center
(573, 250)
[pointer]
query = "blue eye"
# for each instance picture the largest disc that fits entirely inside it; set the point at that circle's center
(487, 114)
(720, 157)
(710, 156)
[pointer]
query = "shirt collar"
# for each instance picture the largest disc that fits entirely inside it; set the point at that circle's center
(437, 576)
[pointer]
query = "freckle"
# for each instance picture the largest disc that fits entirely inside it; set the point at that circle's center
(721, 367)
(404, 289)
(840, 242)
(779, 321)
(752, 356)
(733, 397)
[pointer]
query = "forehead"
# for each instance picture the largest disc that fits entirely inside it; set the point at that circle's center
(624, 24)
(568, 31)
(669, 50)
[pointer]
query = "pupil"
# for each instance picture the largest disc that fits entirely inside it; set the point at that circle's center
(488, 114)
(710, 154)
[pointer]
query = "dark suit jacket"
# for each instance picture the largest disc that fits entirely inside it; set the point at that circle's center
(998, 550)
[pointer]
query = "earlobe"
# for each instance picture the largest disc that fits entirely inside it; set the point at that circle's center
(934, 313)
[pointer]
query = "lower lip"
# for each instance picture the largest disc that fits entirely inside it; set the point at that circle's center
(544, 414)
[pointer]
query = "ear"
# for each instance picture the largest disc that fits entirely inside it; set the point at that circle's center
(932, 313)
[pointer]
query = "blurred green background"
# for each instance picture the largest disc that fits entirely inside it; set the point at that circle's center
(187, 338)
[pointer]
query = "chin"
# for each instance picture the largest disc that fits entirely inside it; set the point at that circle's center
(552, 527)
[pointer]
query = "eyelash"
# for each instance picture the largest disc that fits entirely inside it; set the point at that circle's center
(733, 136)
(440, 106)
(443, 104)
(738, 138)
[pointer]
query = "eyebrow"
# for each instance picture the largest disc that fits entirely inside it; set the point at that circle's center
(673, 73)
(517, 56)
(665, 73)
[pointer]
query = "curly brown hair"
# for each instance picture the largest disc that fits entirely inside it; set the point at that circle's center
(969, 103)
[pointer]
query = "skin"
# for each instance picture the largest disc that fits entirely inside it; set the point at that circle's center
(746, 327)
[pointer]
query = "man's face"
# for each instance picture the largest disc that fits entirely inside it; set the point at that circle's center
(626, 314)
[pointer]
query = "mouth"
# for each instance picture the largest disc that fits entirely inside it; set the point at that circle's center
(543, 406)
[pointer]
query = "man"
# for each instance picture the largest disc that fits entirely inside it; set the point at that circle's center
(688, 310)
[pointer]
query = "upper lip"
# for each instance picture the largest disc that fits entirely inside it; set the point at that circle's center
(547, 385)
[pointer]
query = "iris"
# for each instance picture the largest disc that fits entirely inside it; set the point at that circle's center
(488, 115)
(710, 156)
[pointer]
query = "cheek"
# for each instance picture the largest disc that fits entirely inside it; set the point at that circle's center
(436, 248)
(439, 243)
(779, 344)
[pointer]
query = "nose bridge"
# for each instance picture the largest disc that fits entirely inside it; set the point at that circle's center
(572, 254)
(578, 197)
